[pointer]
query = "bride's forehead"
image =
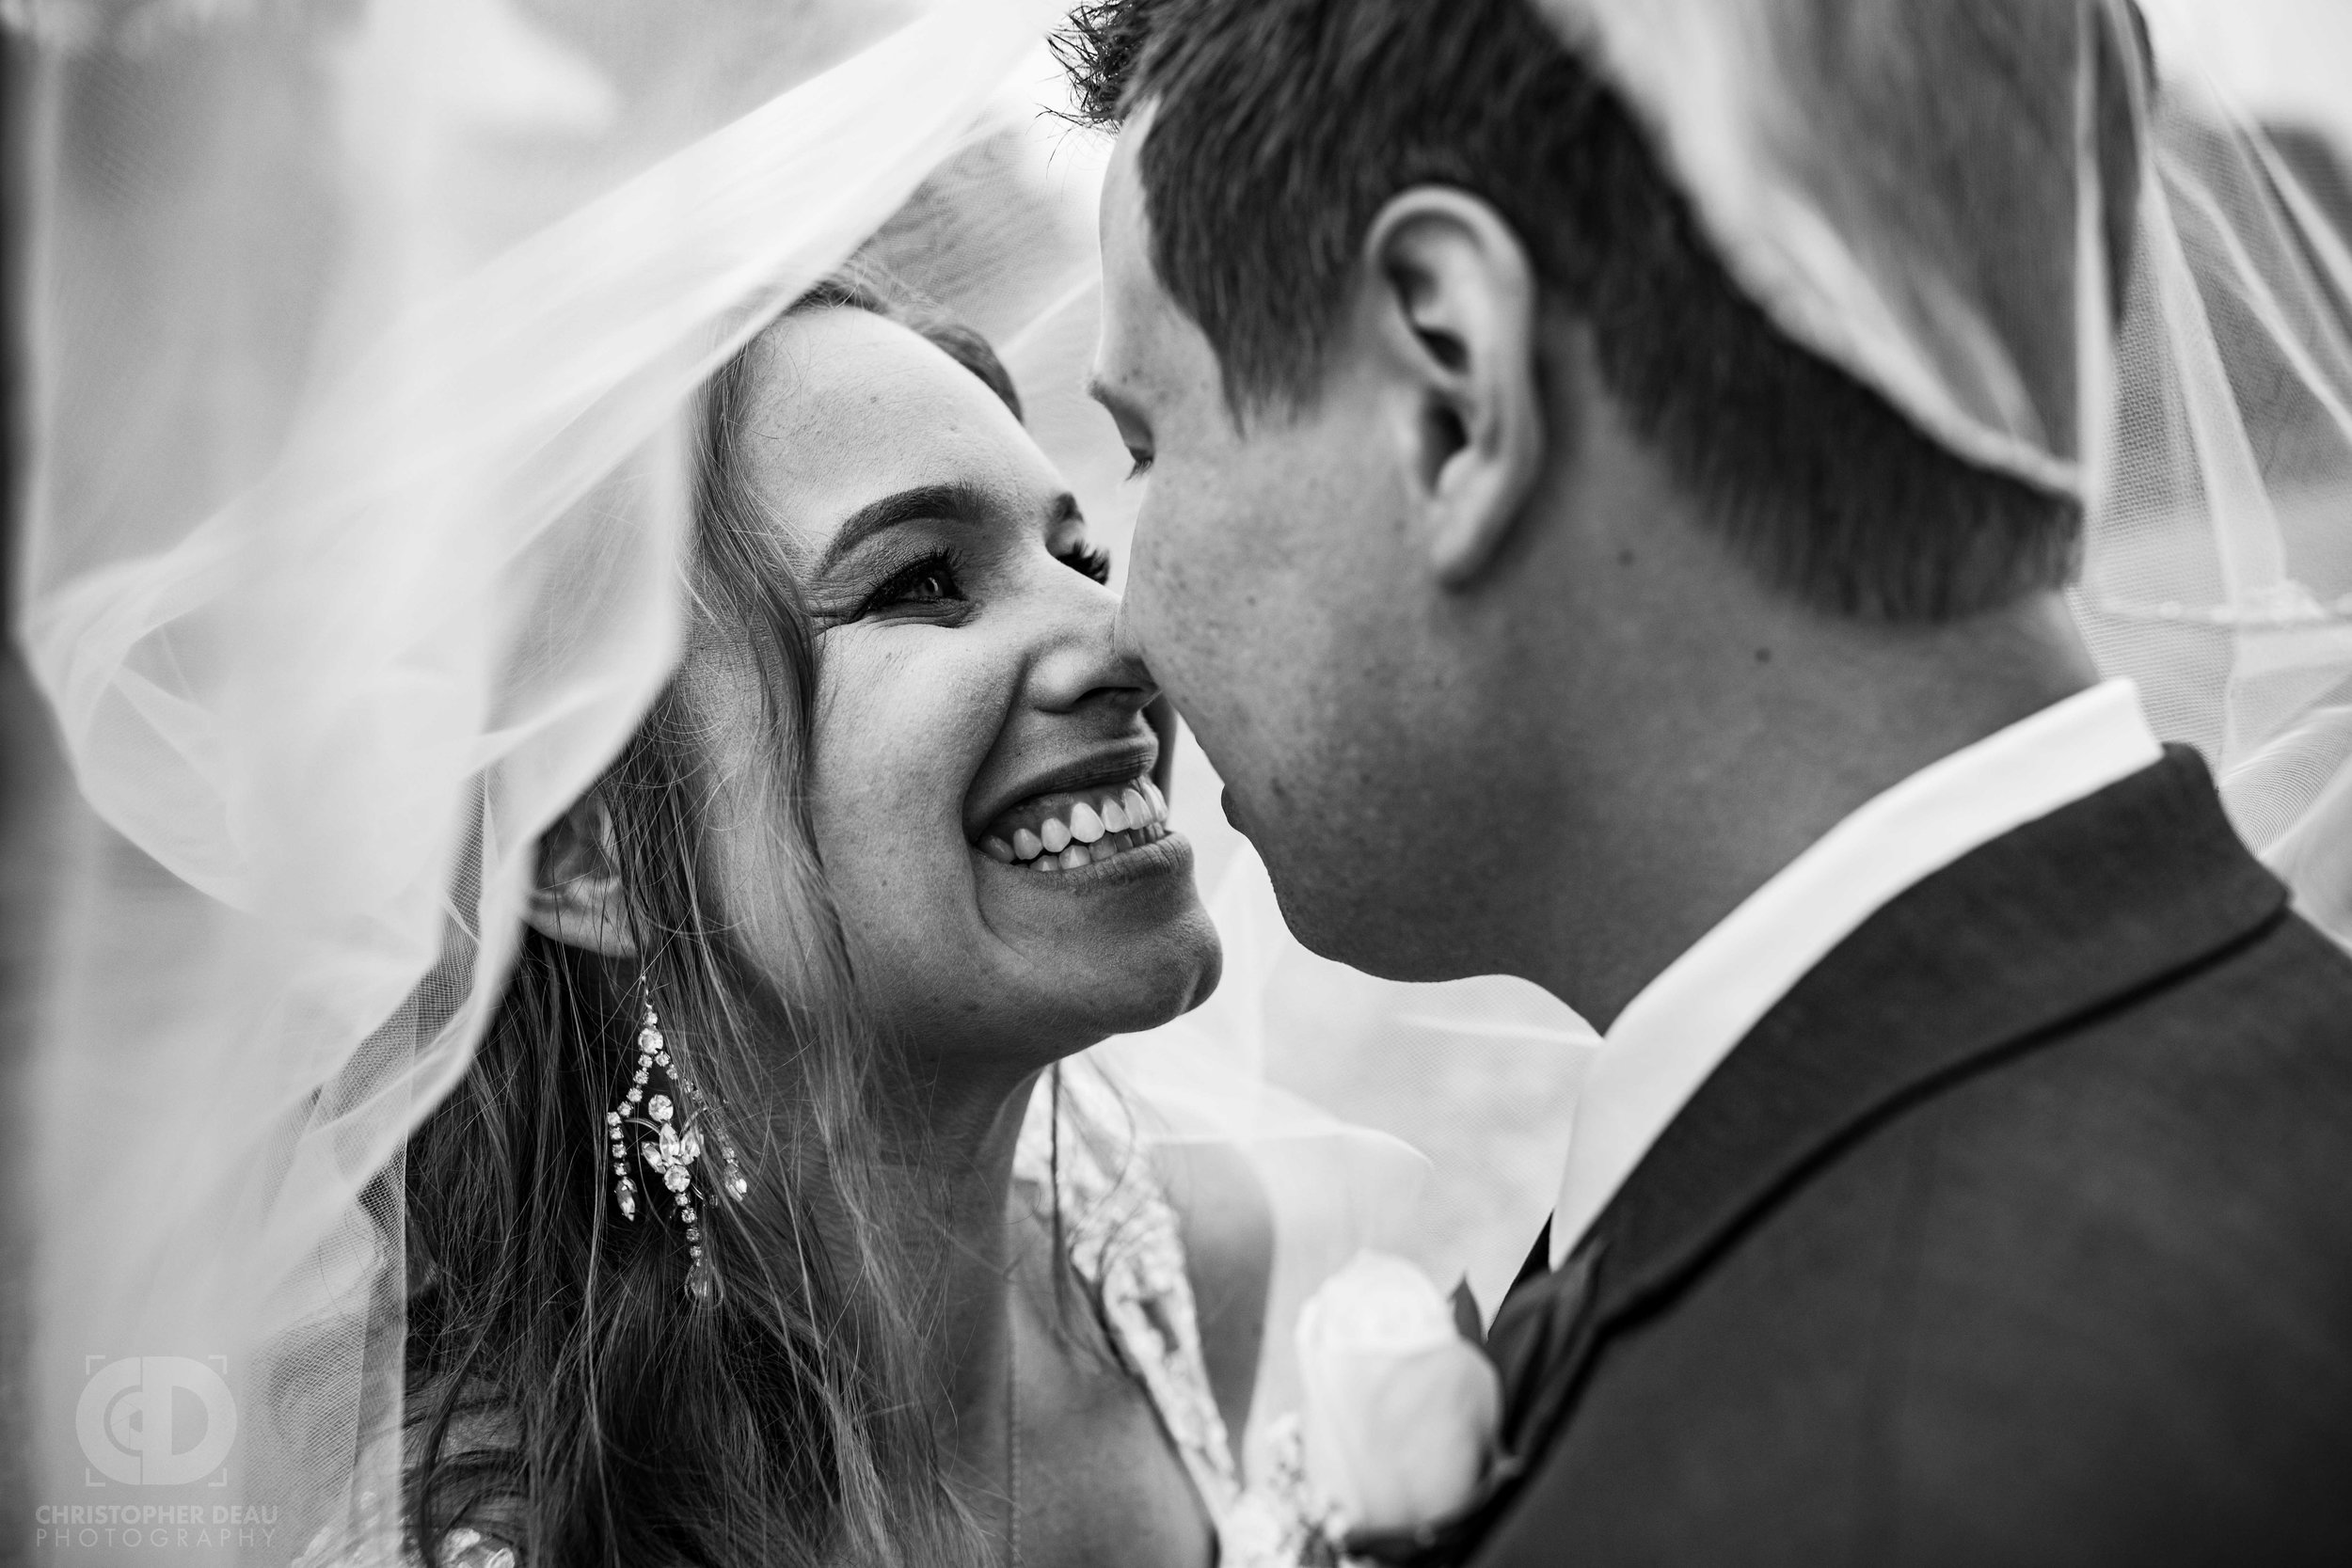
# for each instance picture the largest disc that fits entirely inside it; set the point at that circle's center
(836, 383)
(842, 406)
(842, 370)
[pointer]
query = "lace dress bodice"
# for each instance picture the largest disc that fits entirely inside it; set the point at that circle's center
(1125, 1241)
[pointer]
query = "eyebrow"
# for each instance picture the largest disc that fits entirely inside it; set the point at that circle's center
(952, 502)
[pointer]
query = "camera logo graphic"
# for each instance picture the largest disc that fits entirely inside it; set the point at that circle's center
(156, 1421)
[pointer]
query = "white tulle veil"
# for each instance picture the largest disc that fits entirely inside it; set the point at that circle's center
(365, 333)
(364, 337)
(1917, 192)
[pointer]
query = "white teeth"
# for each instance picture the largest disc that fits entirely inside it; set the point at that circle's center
(1078, 852)
(1091, 831)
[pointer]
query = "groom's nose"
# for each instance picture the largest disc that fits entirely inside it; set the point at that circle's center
(1125, 637)
(1090, 664)
(1161, 712)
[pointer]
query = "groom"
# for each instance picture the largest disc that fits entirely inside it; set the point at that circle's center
(1966, 1174)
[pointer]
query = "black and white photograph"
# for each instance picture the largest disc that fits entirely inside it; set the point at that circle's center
(1176, 784)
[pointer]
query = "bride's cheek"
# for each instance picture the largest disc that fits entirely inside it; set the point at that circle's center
(890, 766)
(850, 782)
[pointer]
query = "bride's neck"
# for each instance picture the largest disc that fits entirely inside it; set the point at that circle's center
(953, 1145)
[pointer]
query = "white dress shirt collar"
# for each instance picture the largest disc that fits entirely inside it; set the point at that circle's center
(1671, 1036)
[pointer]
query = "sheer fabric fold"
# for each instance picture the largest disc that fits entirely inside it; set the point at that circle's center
(366, 336)
(1917, 191)
(1908, 188)
(2218, 574)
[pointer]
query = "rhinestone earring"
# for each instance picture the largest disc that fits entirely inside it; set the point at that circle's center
(677, 1142)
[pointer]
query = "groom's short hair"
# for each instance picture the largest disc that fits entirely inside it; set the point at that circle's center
(1281, 127)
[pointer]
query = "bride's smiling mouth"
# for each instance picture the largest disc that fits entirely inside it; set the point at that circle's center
(1073, 822)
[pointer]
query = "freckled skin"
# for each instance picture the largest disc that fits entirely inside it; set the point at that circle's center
(933, 715)
(967, 661)
(919, 714)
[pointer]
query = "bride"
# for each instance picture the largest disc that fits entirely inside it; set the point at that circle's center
(579, 951)
(730, 1247)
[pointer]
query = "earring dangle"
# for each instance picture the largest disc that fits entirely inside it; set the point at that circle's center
(678, 1136)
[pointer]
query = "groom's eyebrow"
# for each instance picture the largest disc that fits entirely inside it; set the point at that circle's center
(950, 503)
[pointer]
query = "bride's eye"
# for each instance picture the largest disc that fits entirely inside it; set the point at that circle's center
(929, 581)
(1086, 560)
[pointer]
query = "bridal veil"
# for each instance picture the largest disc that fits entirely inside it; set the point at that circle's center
(365, 333)
(1918, 192)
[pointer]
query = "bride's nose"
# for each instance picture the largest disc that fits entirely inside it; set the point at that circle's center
(1088, 664)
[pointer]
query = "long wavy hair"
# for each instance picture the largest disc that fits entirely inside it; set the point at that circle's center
(566, 1393)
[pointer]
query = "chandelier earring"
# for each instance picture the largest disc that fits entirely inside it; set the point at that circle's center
(677, 1136)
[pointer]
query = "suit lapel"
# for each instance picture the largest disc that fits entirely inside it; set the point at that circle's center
(2062, 918)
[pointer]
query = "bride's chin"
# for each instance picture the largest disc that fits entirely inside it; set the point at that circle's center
(1172, 982)
(1124, 943)
(1131, 977)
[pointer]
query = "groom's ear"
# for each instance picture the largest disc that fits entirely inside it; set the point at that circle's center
(579, 900)
(1456, 308)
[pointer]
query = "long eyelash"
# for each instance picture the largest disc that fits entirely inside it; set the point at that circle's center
(945, 564)
(1142, 465)
(1088, 562)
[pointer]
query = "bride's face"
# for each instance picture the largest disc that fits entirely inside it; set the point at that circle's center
(973, 707)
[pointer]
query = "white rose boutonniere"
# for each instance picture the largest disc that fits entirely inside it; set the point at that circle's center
(1400, 1411)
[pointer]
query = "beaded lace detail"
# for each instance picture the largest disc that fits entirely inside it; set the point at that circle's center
(1122, 1241)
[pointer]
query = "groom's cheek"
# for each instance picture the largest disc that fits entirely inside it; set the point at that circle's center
(1159, 586)
(1194, 615)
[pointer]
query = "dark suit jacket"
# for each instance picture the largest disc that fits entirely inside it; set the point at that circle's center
(2019, 1232)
